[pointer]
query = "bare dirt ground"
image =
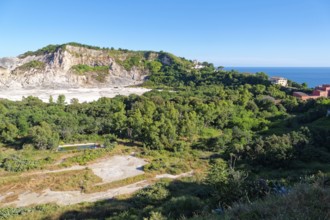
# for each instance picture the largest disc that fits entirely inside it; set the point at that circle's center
(108, 169)
(74, 197)
(82, 94)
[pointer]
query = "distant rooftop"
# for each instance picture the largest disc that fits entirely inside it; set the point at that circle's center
(277, 77)
(323, 86)
(301, 93)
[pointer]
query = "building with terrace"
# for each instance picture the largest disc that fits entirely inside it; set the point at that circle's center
(318, 92)
(279, 81)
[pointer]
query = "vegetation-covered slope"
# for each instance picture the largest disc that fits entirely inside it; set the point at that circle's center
(246, 140)
(78, 65)
(127, 58)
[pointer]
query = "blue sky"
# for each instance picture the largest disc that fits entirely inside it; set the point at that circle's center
(224, 32)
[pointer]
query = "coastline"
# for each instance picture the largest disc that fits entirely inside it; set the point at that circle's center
(313, 76)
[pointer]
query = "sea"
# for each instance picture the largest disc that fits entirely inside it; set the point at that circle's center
(313, 76)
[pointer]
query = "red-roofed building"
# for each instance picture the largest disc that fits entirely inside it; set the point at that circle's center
(323, 90)
(320, 91)
(301, 95)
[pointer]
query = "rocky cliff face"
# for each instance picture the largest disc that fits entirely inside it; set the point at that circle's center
(56, 69)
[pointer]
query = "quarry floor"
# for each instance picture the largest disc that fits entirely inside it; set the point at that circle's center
(82, 94)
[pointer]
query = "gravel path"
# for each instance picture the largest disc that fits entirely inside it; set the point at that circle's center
(109, 169)
(74, 197)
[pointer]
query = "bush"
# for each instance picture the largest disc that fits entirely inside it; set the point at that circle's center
(155, 194)
(130, 62)
(87, 156)
(155, 216)
(16, 163)
(110, 141)
(229, 185)
(81, 69)
(101, 71)
(8, 213)
(48, 49)
(43, 137)
(34, 64)
(302, 202)
(183, 206)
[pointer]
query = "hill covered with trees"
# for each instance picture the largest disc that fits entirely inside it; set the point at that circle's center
(74, 65)
(251, 144)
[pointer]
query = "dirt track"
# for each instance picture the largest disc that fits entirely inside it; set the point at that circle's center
(108, 169)
(74, 197)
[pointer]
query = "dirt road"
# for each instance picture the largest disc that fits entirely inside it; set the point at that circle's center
(108, 169)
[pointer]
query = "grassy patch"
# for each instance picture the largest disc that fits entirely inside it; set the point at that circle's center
(81, 69)
(72, 180)
(129, 59)
(89, 155)
(26, 160)
(172, 162)
(163, 192)
(34, 64)
(62, 181)
(115, 184)
(33, 212)
(100, 72)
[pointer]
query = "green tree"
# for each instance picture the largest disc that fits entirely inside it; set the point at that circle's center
(51, 99)
(74, 101)
(228, 185)
(61, 100)
(304, 85)
(42, 136)
(155, 66)
(9, 133)
(22, 124)
(262, 75)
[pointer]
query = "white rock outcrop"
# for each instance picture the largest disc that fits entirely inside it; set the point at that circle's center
(57, 71)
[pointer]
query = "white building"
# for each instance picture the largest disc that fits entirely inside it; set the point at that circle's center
(197, 65)
(279, 81)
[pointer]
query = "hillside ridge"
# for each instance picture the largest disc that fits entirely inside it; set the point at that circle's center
(75, 65)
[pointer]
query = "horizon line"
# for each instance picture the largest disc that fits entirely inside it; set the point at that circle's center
(277, 66)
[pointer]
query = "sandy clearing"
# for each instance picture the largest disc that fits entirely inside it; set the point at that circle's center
(74, 197)
(108, 169)
(118, 167)
(82, 94)
(5, 195)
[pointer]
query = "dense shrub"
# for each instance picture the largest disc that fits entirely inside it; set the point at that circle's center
(87, 156)
(183, 206)
(34, 64)
(48, 49)
(302, 202)
(8, 213)
(154, 195)
(16, 163)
